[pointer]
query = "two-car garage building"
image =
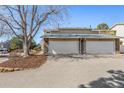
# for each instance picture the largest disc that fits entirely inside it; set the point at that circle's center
(80, 44)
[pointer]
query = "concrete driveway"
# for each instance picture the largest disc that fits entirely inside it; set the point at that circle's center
(70, 72)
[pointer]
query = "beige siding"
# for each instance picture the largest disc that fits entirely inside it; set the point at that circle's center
(74, 31)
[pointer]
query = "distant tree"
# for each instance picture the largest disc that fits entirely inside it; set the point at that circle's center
(102, 26)
(17, 43)
(33, 44)
(38, 47)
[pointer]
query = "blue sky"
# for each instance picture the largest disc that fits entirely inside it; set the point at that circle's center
(93, 15)
(86, 15)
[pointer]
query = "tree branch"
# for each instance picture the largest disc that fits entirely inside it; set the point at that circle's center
(39, 22)
(13, 17)
(34, 11)
(10, 27)
(20, 13)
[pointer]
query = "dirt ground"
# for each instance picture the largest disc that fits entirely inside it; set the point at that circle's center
(70, 72)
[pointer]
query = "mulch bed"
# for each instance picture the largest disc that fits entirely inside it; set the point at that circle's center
(33, 61)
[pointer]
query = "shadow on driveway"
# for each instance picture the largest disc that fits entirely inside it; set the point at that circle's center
(116, 80)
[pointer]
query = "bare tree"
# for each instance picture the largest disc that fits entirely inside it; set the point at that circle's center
(26, 21)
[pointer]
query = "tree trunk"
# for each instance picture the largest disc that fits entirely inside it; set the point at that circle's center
(25, 49)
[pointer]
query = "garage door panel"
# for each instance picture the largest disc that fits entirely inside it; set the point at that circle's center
(100, 47)
(63, 47)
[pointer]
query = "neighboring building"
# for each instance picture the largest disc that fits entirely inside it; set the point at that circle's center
(80, 41)
(119, 31)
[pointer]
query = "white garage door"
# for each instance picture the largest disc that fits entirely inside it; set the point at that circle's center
(63, 47)
(100, 47)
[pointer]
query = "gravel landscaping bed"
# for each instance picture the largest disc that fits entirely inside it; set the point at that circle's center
(22, 63)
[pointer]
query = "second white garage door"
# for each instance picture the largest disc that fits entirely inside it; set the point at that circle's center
(100, 47)
(64, 47)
